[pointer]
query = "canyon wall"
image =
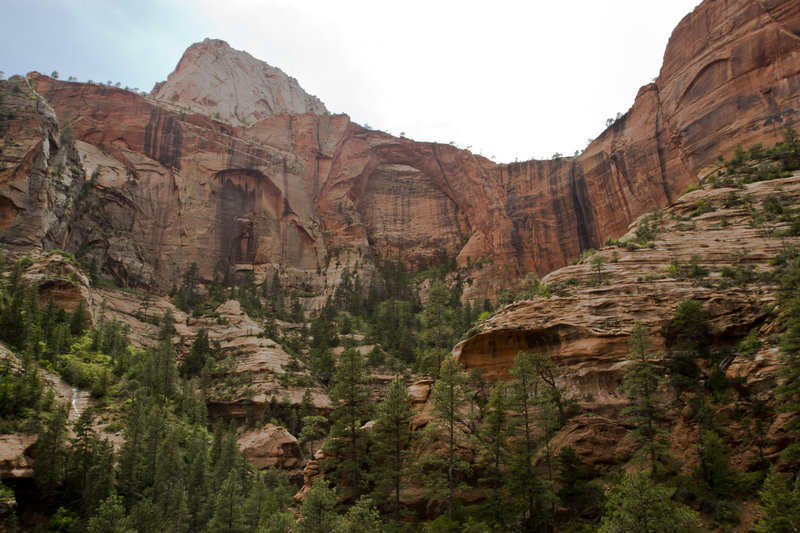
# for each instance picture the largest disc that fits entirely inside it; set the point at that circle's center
(254, 184)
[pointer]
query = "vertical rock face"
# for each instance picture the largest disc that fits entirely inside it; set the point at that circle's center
(213, 78)
(37, 174)
(310, 194)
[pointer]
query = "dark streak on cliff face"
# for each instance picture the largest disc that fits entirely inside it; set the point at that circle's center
(163, 138)
(582, 206)
(660, 146)
(245, 200)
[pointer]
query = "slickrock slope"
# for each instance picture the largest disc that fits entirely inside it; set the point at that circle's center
(252, 363)
(234, 86)
(309, 195)
(256, 364)
(586, 330)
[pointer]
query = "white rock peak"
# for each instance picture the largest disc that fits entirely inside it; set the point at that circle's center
(232, 86)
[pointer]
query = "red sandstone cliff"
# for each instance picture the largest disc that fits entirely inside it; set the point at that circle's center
(311, 194)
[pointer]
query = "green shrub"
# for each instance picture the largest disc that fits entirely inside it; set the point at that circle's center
(701, 206)
(690, 188)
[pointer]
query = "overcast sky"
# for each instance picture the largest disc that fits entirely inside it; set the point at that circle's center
(510, 79)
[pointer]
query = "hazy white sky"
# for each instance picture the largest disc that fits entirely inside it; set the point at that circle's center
(510, 79)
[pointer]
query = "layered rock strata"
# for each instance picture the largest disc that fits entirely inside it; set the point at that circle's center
(585, 325)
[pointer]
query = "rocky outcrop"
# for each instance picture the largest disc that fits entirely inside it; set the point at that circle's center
(58, 277)
(309, 195)
(585, 329)
(310, 473)
(230, 85)
(38, 169)
(257, 363)
(271, 446)
(16, 455)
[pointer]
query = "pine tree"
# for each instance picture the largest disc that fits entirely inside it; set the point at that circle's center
(494, 436)
(362, 517)
(200, 351)
(12, 320)
(32, 342)
(307, 405)
(166, 326)
(437, 330)
(449, 397)
(141, 516)
(756, 428)
(279, 495)
(227, 457)
(257, 496)
(228, 513)
(524, 481)
(155, 429)
(688, 334)
(313, 430)
(597, 262)
(391, 438)
(716, 481)
(576, 491)
(640, 383)
(278, 522)
(637, 505)
(110, 517)
(82, 452)
(551, 410)
(547, 421)
(297, 313)
(348, 395)
(197, 488)
(158, 372)
(316, 511)
(169, 485)
(50, 452)
(394, 326)
(551, 391)
(100, 480)
(131, 455)
(779, 505)
(788, 392)
(80, 319)
(49, 321)
(187, 297)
